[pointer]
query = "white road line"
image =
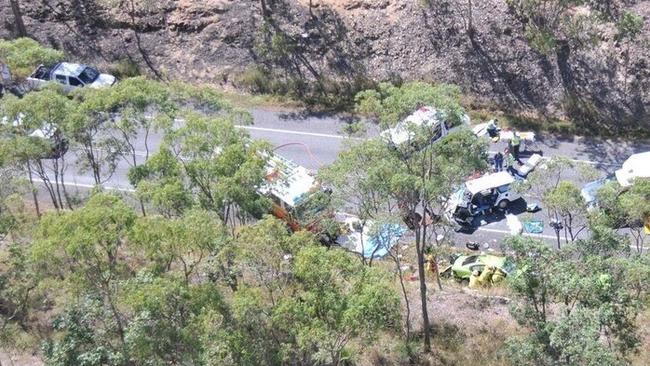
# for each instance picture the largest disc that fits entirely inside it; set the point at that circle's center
(291, 132)
(83, 185)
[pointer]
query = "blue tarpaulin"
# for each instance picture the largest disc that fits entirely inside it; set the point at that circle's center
(383, 240)
(534, 226)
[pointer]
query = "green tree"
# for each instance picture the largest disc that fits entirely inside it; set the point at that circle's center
(390, 104)
(579, 305)
(551, 184)
(217, 163)
(180, 243)
(168, 317)
(38, 142)
(262, 256)
(337, 301)
(13, 190)
(270, 267)
(361, 175)
(620, 208)
(566, 204)
(145, 107)
(23, 55)
(19, 294)
(416, 182)
(85, 336)
(91, 122)
(161, 182)
(84, 247)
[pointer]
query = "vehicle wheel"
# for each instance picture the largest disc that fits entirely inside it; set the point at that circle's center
(503, 204)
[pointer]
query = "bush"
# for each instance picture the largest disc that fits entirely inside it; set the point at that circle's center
(254, 80)
(23, 55)
(126, 68)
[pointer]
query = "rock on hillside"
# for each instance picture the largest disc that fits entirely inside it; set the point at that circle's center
(353, 40)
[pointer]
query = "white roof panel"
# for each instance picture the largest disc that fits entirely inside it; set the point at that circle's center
(488, 181)
(287, 181)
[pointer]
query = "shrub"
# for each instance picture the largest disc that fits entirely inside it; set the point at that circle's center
(23, 55)
(254, 80)
(126, 68)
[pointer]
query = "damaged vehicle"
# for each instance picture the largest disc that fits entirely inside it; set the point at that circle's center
(422, 128)
(462, 266)
(636, 166)
(480, 196)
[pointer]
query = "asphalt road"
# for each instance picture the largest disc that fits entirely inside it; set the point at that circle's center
(314, 140)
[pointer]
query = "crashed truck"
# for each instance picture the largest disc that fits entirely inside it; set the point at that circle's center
(480, 196)
(291, 186)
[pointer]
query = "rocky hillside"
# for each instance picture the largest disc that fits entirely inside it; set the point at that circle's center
(342, 45)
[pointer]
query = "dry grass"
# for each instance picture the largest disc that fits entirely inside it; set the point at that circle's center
(468, 328)
(643, 322)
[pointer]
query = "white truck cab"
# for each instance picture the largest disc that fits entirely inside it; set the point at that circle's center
(71, 76)
(480, 195)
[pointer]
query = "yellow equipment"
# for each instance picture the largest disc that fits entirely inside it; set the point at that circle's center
(473, 280)
(486, 277)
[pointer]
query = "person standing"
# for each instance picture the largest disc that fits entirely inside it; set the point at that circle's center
(516, 143)
(510, 162)
(498, 161)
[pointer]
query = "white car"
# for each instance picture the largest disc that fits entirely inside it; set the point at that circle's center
(47, 131)
(434, 120)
